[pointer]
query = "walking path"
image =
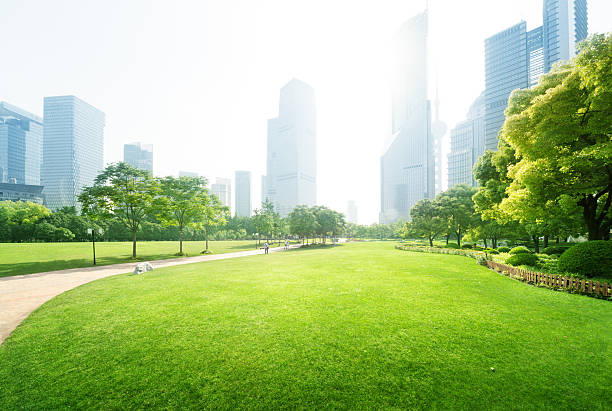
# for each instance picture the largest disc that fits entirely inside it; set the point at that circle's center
(22, 294)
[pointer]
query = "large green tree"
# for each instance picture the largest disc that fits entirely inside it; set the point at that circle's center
(302, 222)
(121, 192)
(561, 131)
(181, 203)
(457, 207)
(214, 215)
(426, 220)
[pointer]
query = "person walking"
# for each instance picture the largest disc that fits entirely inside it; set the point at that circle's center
(266, 246)
(286, 244)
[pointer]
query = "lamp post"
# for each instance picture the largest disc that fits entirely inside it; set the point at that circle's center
(92, 231)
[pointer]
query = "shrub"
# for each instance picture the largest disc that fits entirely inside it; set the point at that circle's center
(491, 250)
(466, 246)
(478, 248)
(522, 259)
(555, 249)
(521, 249)
(481, 260)
(503, 249)
(591, 259)
(451, 245)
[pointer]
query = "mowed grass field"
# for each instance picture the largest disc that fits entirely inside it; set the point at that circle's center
(354, 326)
(27, 258)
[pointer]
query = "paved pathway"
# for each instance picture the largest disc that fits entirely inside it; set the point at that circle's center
(22, 294)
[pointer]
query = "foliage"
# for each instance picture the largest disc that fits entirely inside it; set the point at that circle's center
(591, 259)
(467, 246)
(556, 249)
(18, 220)
(522, 259)
(457, 207)
(425, 221)
(451, 245)
(520, 250)
(503, 249)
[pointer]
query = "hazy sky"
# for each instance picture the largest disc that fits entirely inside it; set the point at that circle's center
(199, 79)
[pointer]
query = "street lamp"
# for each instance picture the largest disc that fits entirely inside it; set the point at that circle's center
(92, 232)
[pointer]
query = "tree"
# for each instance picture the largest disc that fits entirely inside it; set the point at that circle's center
(426, 220)
(457, 207)
(181, 202)
(19, 219)
(302, 222)
(214, 215)
(561, 131)
(121, 192)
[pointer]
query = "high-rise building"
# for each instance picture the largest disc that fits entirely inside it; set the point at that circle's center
(21, 192)
(223, 190)
(73, 149)
(243, 193)
(351, 212)
(139, 155)
(408, 163)
(516, 58)
(291, 177)
(188, 174)
(467, 145)
(438, 131)
(21, 136)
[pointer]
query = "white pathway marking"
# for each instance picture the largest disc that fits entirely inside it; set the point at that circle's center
(22, 294)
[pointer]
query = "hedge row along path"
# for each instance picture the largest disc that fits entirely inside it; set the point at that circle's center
(22, 294)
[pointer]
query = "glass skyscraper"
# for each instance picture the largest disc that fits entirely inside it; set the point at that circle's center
(73, 149)
(291, 172)
(408, 164)
(139, 155)
(222, 188)
(243, 193)
(515, 58)
(21, 135)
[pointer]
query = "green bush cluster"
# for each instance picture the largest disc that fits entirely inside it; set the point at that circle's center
(491, 250)
(555, 249)
(466, 246)
(590, 259)
(521, 249)
(451, 245)
(503, 249)
(523, 259)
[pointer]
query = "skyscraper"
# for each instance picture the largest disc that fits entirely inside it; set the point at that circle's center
(73, 149)
(516, 58)
(243, 193)
(21, 135)
(291, 177)
(222, 188)
(467, 145)
(351, 212)
(188, 174)
(139, 155)
(408, 164)
(438, 131)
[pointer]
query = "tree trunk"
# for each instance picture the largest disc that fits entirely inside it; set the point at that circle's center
(181, 240)
(458, 238)
(557, 240)
(597, 227)
(494, 242)
(545, 241)
(134, 244)
(447, 238)
(206, 237)
(430, 241)
(484, 240)
(536, 243)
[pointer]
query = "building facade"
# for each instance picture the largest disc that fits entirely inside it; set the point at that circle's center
(243, 193)
(21, 138)
(467, 145)
(21, 192)
(516, 58)
(73, 149)
(351, 212)
(408, 162)
(188, 174)
(139, 155)
(291, 169)
(222, 188)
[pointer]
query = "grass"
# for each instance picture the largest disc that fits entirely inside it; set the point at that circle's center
(354, 326)
(27, 258)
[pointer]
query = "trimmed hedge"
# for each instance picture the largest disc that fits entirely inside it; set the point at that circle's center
(555, 249)
(521, 249)
(591, 259)
(467, 246)
(451, 245)
(491, 250)
(503, 249)
(523, 259)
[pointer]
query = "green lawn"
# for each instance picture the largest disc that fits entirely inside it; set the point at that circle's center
(27, 258)
(355, 326)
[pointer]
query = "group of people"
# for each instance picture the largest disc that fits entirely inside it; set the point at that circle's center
(266, 246)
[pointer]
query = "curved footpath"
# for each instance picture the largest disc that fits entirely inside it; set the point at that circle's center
(22, 294)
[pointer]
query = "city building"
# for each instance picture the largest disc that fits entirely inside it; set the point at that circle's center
(188, 174)
(21, 192)
(516, 58)
(73, 149)
(223, 190)
(139, 155)
(408, 162)
(291, 173)
(438, 131)
(351, 212)
(21, 137)
(467, 145)
(243, 193)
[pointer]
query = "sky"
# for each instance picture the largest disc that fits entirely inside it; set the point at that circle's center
(199, 79)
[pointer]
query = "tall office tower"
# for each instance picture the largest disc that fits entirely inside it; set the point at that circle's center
(139, 155)
(516, 58)
(73, 149)
(243, 193)
(21, 135)
(291, 177)
(264, 189)
(565, 25)
(438, 131)
(408, 165)
(351, 212)
(467, 145)
(223, 190)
